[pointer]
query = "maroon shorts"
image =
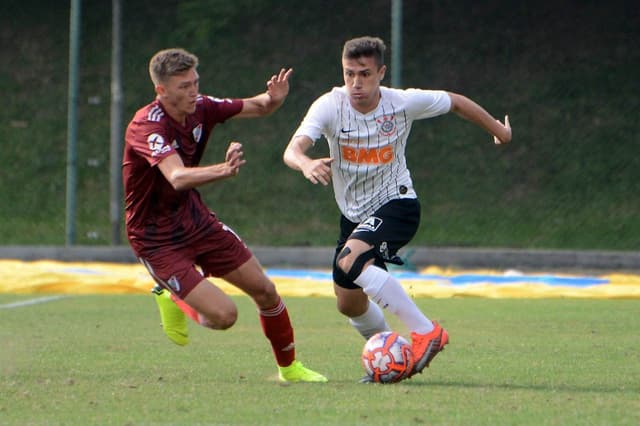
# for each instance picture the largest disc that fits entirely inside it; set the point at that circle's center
(180, 268)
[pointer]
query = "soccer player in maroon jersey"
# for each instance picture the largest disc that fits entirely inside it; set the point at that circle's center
(171, 230)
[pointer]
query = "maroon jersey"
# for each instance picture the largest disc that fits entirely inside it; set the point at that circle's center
(156, 214)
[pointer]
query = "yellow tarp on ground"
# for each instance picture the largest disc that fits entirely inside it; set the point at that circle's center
(95, 278)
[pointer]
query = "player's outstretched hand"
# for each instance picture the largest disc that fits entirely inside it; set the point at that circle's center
(506, 137)
(234, 158)
(278, 85)
(318, 171)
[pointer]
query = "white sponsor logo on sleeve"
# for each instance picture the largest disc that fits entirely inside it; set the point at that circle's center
(157, 145)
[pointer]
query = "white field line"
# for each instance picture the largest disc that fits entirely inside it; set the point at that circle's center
(29, 302)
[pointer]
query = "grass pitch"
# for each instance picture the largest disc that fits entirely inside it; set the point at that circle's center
(104, 360)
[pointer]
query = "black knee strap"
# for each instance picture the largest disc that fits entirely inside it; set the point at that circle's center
(358, 264)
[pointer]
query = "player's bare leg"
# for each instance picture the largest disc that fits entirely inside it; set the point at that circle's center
(388, 293)
(274, 318)
(206, 304)
(215, 308)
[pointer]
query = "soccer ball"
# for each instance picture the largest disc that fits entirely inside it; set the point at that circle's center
(387, 357)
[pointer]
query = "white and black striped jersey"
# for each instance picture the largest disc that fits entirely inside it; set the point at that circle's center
(369, 167)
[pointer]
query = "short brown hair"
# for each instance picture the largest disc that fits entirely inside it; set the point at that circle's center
(169, 62)
(365, 46)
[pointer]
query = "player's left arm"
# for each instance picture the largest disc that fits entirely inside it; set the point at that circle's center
(183, 178)
(471, 111)
(269, 101)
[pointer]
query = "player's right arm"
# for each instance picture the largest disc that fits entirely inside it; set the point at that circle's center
(316, 170)
(183, 178)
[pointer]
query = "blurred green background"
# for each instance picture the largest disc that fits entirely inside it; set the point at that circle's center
(566, 72)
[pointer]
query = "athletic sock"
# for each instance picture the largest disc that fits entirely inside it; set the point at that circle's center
(371, 322)
(276, 326)
(387, 292)
(186, 308)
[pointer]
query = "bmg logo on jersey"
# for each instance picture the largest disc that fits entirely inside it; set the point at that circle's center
(381, 155)
(370, 224)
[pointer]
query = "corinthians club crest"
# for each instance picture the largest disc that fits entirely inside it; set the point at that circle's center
(387, 125)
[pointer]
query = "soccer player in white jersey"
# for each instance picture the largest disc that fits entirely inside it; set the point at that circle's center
(367, 126)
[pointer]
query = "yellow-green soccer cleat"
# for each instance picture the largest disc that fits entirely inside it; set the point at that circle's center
(174, 321)
(297, 372)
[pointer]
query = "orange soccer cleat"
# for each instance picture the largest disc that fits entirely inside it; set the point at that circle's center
(426, 346)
